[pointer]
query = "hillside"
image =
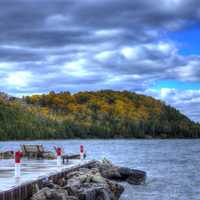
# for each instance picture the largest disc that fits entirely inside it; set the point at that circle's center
(19, 121)
(102, 114)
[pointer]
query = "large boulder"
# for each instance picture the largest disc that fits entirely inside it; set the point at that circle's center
(112, 172)
(88, 184)
(94, 191)
(52, 194)
(115, 188)
(132, 176)
(107, 169)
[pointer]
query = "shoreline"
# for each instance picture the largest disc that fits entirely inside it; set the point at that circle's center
(103, 139)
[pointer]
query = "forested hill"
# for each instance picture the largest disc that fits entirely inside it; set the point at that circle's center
(102, 114)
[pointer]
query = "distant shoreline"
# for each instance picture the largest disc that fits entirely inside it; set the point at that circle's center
(27, 140)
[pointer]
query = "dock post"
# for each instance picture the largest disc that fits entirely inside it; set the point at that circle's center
(59, 159)
(18, 155)
(81, 152)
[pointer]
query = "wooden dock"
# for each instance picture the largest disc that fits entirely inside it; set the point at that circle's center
(26, 190)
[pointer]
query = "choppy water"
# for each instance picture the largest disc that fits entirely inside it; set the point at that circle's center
(172, 166)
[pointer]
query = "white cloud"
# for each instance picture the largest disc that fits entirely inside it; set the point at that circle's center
(6, 66)
(18, 79)
(164, 92)
(76, 68)
(131, 52)
(163, 47)
(109, 32)
(104, 55)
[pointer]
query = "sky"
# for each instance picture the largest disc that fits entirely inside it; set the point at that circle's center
(146, 46)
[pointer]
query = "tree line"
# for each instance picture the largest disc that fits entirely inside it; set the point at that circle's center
(101, 114)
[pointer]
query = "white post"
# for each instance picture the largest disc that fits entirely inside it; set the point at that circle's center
(17, 170)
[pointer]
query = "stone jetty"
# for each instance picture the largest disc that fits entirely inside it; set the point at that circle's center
(100, 181)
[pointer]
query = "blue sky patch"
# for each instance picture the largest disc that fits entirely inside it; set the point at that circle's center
(175, 84)
(188, 40)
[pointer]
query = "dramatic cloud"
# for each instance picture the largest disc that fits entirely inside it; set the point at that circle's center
(89, 45)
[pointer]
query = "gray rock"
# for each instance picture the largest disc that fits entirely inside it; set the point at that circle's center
(50, 184)
(97, 193)
(52, 194)
(106, 162)
(111, 173)
(132, 176)
(93, 183)
(116, 189)
(90, 185)
(94, 191)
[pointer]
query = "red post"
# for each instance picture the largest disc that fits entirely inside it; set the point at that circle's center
(59, 153)
(81, 152)
(18, 156)
(81, 148)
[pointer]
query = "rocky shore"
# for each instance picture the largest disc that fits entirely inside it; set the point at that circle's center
(98, 182)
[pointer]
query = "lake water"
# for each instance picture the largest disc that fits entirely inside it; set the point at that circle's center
(172, 166)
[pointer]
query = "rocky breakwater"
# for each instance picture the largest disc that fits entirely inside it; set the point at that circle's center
(97, 182)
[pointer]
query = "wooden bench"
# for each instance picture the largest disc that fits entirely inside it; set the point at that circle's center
(33, 151)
